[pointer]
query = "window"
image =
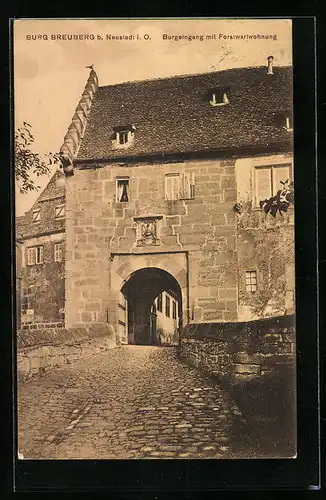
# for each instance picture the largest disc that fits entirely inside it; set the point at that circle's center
(35, 255)
(60, 212)
(122, 137)
(219, 97)
(172, 187)
(122, 190)
(58, 252)
(251, 281)
(283, 119)
(187, 186)
(174, 309)
(31, 256)
(37, 215)
(160, 303)
(179, 187)
(124, 134)
(167, 306)
(288, 123)
(25, 303)
(268, 180)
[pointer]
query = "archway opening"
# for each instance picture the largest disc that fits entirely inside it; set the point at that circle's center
(153, 303)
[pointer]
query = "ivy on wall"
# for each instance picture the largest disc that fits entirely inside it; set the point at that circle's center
(281, 202)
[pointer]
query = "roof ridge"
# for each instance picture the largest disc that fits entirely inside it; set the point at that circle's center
(187, 75)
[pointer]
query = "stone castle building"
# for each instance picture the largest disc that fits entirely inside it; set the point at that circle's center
(40, 235)
(163, 183)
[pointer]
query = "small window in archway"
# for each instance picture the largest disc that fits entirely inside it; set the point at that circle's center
(174, 309)
(167, 306)
(160, 303)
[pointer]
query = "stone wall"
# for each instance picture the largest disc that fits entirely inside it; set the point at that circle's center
(204, 227)
(38, 351)
(255, 360)
(43, 285)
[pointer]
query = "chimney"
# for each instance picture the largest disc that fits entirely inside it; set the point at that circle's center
(72, 139)
(270, 65)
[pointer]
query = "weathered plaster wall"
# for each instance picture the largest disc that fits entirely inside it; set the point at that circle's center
(266, 245)
(167, 327)
(204, 228)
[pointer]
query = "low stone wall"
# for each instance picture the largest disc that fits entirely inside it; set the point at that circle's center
(40, 350)
(26, 325)
(254, 360)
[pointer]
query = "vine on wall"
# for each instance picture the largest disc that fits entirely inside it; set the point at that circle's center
(281, 201)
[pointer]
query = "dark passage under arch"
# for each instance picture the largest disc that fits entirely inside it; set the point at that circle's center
(140, 291)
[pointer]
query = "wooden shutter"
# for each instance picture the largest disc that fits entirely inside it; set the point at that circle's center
(31, 256)
(123, 319)
(280, 174)
(175, 188)
(263, 184)
(187, 186)
(172, 187)
(39, 255)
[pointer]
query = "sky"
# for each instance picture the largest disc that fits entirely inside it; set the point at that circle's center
(50, 73)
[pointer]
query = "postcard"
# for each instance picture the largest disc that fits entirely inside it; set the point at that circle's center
(155, 272)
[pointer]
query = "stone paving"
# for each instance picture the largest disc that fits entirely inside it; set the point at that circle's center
(128, 402)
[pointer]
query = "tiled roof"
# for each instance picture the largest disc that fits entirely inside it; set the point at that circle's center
(173, 115)
(52, 195)
(21, 226)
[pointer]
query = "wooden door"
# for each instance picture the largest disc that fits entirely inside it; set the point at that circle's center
(122, 319)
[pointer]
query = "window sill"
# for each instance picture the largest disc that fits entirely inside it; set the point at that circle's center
(216, 104)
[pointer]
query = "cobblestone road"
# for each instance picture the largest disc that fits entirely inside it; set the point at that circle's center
(129, 402)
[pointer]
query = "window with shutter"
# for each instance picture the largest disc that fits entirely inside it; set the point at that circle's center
(160, 303)
(187, 186)
(268, 180)
(263, 184)
(35, 255)
(39, 255)
(167, 306)
(280, 174)
(31, 256)
(174, 309)
(172, 187)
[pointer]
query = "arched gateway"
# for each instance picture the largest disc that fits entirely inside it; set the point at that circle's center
(140, 292)
(137, 283)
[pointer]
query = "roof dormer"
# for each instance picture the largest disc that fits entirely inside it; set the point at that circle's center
(123, 135)
(284, 119)
(219, 96)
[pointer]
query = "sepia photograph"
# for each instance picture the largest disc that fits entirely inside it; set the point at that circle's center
(154, 239)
